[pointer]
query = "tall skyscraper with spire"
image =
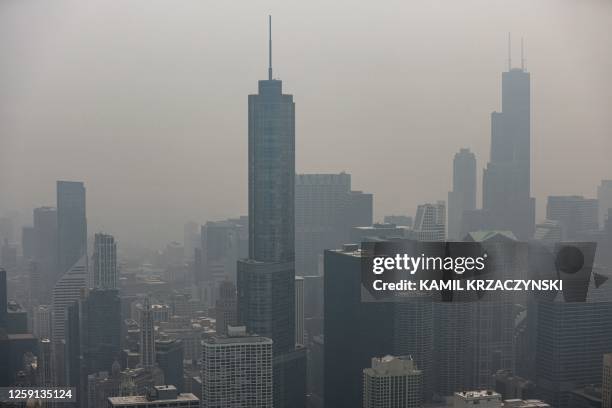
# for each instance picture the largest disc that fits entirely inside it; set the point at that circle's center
(266, 280)
(507, 197)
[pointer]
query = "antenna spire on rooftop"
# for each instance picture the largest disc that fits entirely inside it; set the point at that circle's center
(270, 48)
(509, 52)
(522, 55)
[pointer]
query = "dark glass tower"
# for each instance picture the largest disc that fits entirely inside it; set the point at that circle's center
(266, 281)
(71, 224)
(271, 173)
(507, 178)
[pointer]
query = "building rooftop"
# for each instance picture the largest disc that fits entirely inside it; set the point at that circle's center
(476, 395)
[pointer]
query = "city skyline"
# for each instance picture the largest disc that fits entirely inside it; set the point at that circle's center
(183, 148)
(362, 285)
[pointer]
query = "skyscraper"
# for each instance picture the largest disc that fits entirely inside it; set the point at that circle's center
(42, 322)
(3, 299)
(105, 261)
(430, 222)
(237, 370)
(169, 357)
(576, 214)
(226, 307)
(147, 336)
(606, 382)
(266, 281)
(299, 310)
(325, 211)
(355, 331)
(45, 253)
(392, 382)
(604, 196)
(571, 338)
(101, 337)
(67, 290)
(71, 223)
(463, 196)
(507, 178)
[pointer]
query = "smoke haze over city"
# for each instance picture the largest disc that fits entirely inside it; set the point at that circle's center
(145, 101)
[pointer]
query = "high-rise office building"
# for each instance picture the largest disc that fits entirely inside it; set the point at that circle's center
(27, 242)
(463, 195)
(105, 262)
(147, 336)
(606, 382)
(604, 197)
(191, 238)
(3, 300)
(169, 357)
(507, 200)
(299, 310)
(67, 290)
(576, 214)
(46, 370)
(226, 307)
(223, 243)
(325, 211)
(237, 370)
(392, 382)
(42, 322)
(71, 224)
(492, 318)
(266, 281)
(72, 363)
(571, 338)
(101, 337)
(430, 222)
(355, 331)
(45, 253)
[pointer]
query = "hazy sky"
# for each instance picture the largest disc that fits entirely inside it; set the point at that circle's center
(146, 100)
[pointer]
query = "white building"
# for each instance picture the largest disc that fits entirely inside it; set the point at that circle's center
(67, 290)
(165, 396)
(392, 382)
(42, 322)
(478, 399)
(237, 370)
(430, 222)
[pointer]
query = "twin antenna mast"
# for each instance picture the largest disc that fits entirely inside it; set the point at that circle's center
(269, 48)
(510, 53)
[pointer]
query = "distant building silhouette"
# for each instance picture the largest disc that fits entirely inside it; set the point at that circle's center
(463, 195)
(576, 214)
(71, 224)
(105, 262)
(45, 255)
(325, 210)
(507, 201)
(604, 197)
